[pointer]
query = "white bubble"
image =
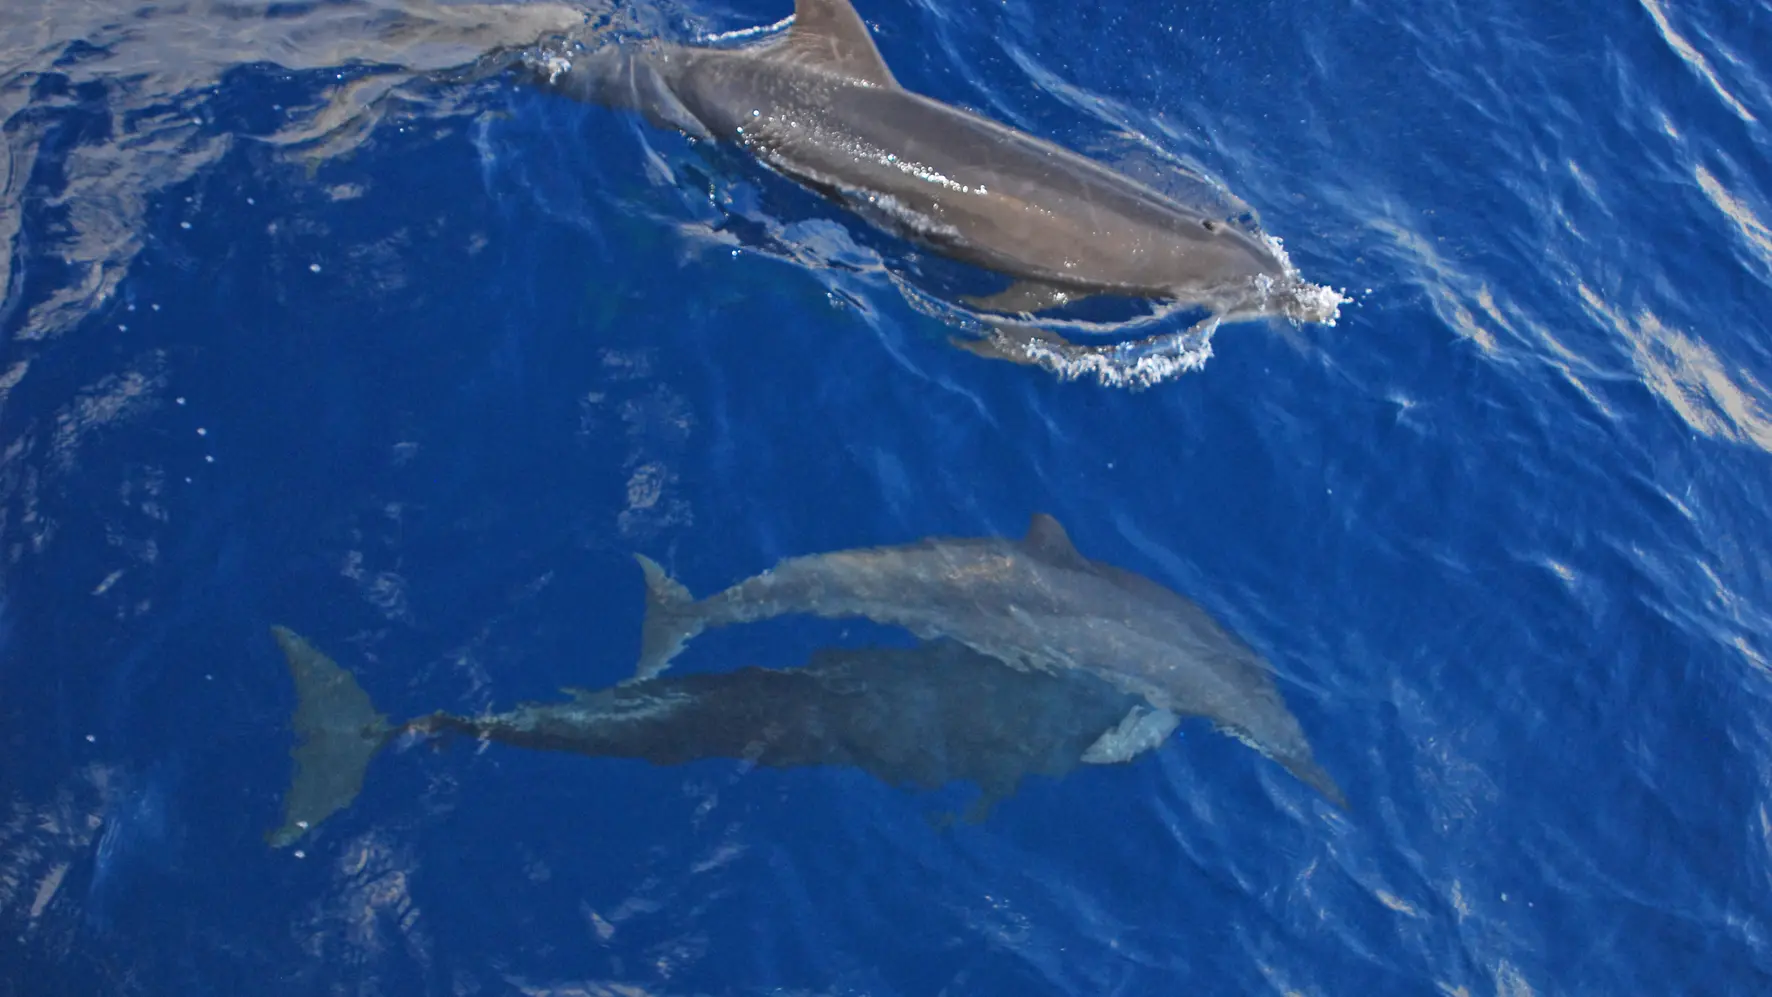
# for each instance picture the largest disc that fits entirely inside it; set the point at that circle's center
(314, 267)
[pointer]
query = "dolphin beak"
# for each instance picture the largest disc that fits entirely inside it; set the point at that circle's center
(1316, 777)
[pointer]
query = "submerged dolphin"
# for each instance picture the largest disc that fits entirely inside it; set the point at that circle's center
(1035, 603)
(923, 718)
(819, 105)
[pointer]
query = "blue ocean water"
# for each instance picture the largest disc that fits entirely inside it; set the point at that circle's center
(303, 326)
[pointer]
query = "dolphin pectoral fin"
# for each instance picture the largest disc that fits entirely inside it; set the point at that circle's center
(671, 620)
(977, 812)
(831, 35)
(1024, 298)
(981, 808)
(1142, 729)
(338, 731)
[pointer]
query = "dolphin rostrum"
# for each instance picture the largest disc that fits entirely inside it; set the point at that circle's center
(818, 104)
(920, 717)
(1034, 603)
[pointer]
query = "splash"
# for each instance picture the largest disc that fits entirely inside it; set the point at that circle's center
(745, 34)
(1138, 360)
(1146, 362)
(1293, 296)
(1136, 365)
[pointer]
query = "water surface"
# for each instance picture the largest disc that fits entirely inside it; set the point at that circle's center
(306, 324)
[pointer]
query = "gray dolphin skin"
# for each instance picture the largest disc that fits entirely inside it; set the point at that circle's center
(921, 717)
(1035, 604)
(819, 105)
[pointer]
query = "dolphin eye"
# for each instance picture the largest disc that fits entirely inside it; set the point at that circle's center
(1209, 225)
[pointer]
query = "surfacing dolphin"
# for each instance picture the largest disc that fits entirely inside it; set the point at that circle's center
(1034, 603)
(921, 717)
(818, 104)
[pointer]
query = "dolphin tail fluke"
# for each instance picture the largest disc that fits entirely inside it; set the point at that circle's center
(337, 731)
(671, 620)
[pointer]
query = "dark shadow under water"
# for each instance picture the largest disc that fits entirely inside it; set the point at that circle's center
(921, 717)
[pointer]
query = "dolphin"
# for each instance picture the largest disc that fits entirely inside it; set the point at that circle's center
(1034, 603)
(921, 717)
(818, 104)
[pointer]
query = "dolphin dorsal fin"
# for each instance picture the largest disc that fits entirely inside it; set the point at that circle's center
(1047, 540)
(830, 34)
